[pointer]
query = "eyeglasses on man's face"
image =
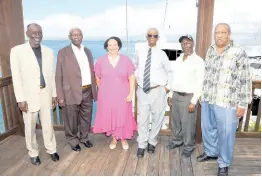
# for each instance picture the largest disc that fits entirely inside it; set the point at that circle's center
(152, 36)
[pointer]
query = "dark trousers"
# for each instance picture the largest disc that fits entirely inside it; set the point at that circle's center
(78, 117)
(183, 123)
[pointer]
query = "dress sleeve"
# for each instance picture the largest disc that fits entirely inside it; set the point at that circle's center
(130, 67)
(97, 69)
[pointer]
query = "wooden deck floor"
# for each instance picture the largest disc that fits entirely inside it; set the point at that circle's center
(100, 160)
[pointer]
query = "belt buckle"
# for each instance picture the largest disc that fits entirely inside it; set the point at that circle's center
(85, 86)
(41, 87)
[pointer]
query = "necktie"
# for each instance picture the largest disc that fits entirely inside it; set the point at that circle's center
(146, 85)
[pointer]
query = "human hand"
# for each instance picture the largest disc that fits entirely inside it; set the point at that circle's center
(191, 107)
(23, 106)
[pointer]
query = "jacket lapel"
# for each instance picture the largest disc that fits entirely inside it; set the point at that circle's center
(31, 56)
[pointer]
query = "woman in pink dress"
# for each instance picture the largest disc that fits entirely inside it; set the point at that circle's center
(116, 82)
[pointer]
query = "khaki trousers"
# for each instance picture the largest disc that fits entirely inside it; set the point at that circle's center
(30, 119)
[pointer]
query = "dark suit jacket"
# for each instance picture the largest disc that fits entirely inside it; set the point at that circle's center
(68, 76)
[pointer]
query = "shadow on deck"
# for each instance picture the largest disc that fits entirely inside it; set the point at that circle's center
(100, 160)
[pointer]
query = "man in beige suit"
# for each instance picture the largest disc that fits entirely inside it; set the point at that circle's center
(76, 89)
(32, 67)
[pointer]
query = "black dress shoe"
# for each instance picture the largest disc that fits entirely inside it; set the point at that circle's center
(76, 148)
(205, 157)
(222, 171)
(151, 149)
(140, 152)
(54, 157)
(88, 144)
(35, 160)
(173, 146)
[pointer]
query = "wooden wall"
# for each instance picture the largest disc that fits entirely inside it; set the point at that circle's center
(11, 34)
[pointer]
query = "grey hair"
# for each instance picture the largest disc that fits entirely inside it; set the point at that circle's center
(226, 24)
(75, 28)
(33, 24)
(155, 29)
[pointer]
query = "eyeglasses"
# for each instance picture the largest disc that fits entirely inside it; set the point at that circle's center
(154, 36)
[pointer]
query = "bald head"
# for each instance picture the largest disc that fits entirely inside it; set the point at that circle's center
(152, 36)
(33, 25)
(225, 25)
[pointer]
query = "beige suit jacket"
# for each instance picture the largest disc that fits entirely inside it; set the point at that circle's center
(26, 75)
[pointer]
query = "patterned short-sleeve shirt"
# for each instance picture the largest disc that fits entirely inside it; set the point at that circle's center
(227, 79)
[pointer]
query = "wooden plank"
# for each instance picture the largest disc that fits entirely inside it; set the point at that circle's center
(108, 167)
(153, 161)
(13, 105)
(99, 162)
(132, 162)
(5, 81)
(258, 117)
(15, 159)
(198, 126)
(165, 132)
(55, 117)
(186, 166)
(164, 167)
(8, 107)
(83, 161)
(91, 158)
(3, 109)
(249, 112)
(61, 120)
(197, 166)
(8, 133)
(18, 117)
(123, 158)
(45, 158)
(175, 169)
(248, 134)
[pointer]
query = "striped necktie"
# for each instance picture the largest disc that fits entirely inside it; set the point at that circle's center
(146, 85)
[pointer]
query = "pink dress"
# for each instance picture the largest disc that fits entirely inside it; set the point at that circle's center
(114, 115)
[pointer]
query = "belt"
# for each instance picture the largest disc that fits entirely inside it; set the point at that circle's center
(41, 87)
(86, 86)
(183, 93)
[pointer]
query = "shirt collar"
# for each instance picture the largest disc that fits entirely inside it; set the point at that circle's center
(231, 44)
(76, 48)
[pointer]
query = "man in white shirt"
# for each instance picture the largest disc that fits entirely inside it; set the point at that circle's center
(76, 89)
(153, 76)
(188, 73)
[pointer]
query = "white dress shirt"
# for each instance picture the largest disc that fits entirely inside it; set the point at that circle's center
(188, 76)
(160, 71)
(83, 64)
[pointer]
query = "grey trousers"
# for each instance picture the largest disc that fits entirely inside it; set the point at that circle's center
(183, 123)
(155, 103)
(78, 117)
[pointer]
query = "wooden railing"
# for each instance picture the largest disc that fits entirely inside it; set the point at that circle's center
(13, 120)
(246, 132)
(11, 115)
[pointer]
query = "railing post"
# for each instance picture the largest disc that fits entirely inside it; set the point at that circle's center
(203, 41)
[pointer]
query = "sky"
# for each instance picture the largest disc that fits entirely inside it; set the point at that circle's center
(100, 19)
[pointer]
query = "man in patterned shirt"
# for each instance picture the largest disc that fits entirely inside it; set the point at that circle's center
(226, 95)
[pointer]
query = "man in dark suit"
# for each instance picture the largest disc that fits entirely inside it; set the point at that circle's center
(76, 89)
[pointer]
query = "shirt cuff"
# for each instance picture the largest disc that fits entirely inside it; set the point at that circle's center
(193, 100)
(242, 105)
